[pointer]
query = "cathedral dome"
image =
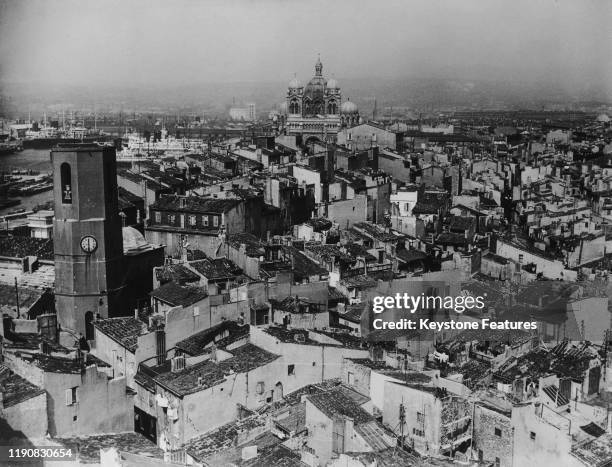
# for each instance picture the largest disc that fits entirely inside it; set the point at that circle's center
(348, 107)
(332, 84)
(295, 84)
(603, 118)
(133, 239)
(315, 89)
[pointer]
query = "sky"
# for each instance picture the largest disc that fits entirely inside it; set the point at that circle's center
(160, 43)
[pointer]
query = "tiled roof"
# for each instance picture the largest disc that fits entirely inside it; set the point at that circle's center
(52, 364)
(390, 457)
(176, 273)
(353, 312)
(355, 249)
(451, 238)
(303, 267)
(254, 246)
(374, 435)
(334, 403)
(410, 256)
(245, 359)
(88, 447)
(176, 295)
(195, 204)
(15, 389)
(196, 344)
(215, 269)
(377, 232)
(296, 305)
(27, 296)
(596, 452)
(279, 456)
(124, 331)
(289, 335)
(335, 294)
(320, 223)
(360, 282)
(223, 437)
(345, 339)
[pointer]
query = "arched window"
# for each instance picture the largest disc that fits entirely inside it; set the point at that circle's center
(66, 181)
(278, 391)
(294, 107)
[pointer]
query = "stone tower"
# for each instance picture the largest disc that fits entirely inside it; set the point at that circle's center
(87, 236)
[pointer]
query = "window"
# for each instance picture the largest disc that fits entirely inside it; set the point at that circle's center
(171, 219)
(420, 417)
(498, 432)
(66, 181)
(260, 387)
(291, 370)
(72, 396)
(532, 435)
(192, 220)
(417, 432)
(351, 378)
(205, 221)
(497, 462)
(157, 216)
(338, 437)
(216, 221)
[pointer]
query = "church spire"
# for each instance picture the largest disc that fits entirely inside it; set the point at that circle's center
(318, 66)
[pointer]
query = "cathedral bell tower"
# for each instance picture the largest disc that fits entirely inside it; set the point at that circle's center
(87, 235)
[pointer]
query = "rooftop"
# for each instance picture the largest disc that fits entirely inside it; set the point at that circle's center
(195, 204)
(175, 273)
(224, 437)
(208, 373)
(15, 389)
(254, 247)
(221, 335)
(124, 331)
(335, 403)
(177, 295)
(596, 452)
(88, 447)
(216, 269)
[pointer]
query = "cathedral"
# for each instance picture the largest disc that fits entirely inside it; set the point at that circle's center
(316, 110)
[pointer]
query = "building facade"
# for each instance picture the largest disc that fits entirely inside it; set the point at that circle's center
(316, 110)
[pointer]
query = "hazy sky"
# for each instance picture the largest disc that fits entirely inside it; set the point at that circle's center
(176, 42)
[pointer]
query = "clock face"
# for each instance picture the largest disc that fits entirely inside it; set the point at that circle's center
(89, 244)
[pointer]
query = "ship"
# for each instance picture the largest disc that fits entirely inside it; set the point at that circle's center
(135, 146)
(10, 147)
(48, 137)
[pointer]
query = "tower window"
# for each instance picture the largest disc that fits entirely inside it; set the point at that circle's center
(66, 181)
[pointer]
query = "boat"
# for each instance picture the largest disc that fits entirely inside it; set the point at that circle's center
(10, 147)
(46, 137)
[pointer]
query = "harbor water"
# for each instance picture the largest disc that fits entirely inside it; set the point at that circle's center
(28, 159)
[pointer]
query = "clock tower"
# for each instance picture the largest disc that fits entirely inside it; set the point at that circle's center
(87, 236)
